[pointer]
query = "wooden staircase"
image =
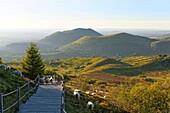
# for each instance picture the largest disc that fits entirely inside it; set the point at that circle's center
(48, 99)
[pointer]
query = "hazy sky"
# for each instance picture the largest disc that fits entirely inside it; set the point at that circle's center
(141, 14)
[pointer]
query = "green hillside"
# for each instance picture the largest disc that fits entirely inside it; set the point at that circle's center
(87, 42)
(8, 83)
(162, 46)
(133, 84)
(121, 44)
(47, 45)
(140, 60)
(59, 39)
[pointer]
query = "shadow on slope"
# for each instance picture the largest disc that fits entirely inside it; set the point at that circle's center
(163, 63)
(125, 71)
(111, 61)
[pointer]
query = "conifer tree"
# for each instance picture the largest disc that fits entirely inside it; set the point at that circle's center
(0, 60)
(32, 64)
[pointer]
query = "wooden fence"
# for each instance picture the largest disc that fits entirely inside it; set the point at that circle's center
(63, 96)
(18, 93)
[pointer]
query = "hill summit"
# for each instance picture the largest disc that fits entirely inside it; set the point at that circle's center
(59, 39)
(122, 44)
(50, 43)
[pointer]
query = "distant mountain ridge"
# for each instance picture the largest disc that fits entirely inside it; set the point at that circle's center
(52, 42)
(88, 42)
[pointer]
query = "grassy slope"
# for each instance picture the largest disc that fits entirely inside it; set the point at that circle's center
(118, 44)
(58, 39)
(161, 46)
(139, 60)
(9, 83)
(103, 74)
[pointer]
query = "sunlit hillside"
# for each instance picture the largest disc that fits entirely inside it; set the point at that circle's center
(122, 44)
(83, 42)
(116, 85)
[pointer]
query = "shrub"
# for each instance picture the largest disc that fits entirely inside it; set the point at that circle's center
(103, 86)
(142, 76)
(72, 76)
(149, 80)
(89, 63)
(101, 82)
(49, 71)
(146, 99)
(2, 73)
(66, 77)
(90, 81)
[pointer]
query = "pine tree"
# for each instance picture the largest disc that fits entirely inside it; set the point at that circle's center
(32, 64)
(0, 60)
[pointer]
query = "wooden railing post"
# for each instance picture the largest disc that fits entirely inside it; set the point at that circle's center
(18, 97)
(28, 89)
(63, 96)
(61, 108)
(1, 103)
(63, 102)
(38, 80)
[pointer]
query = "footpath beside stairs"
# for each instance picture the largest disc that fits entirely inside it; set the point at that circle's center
(46, 100)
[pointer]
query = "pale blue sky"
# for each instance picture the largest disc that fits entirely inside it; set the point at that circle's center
(141, 14)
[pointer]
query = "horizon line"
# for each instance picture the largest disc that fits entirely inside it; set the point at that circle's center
(84, 28)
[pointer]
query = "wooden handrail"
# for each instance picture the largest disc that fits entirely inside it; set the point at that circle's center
(62, 96)
(9, 93)
(19, 98)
